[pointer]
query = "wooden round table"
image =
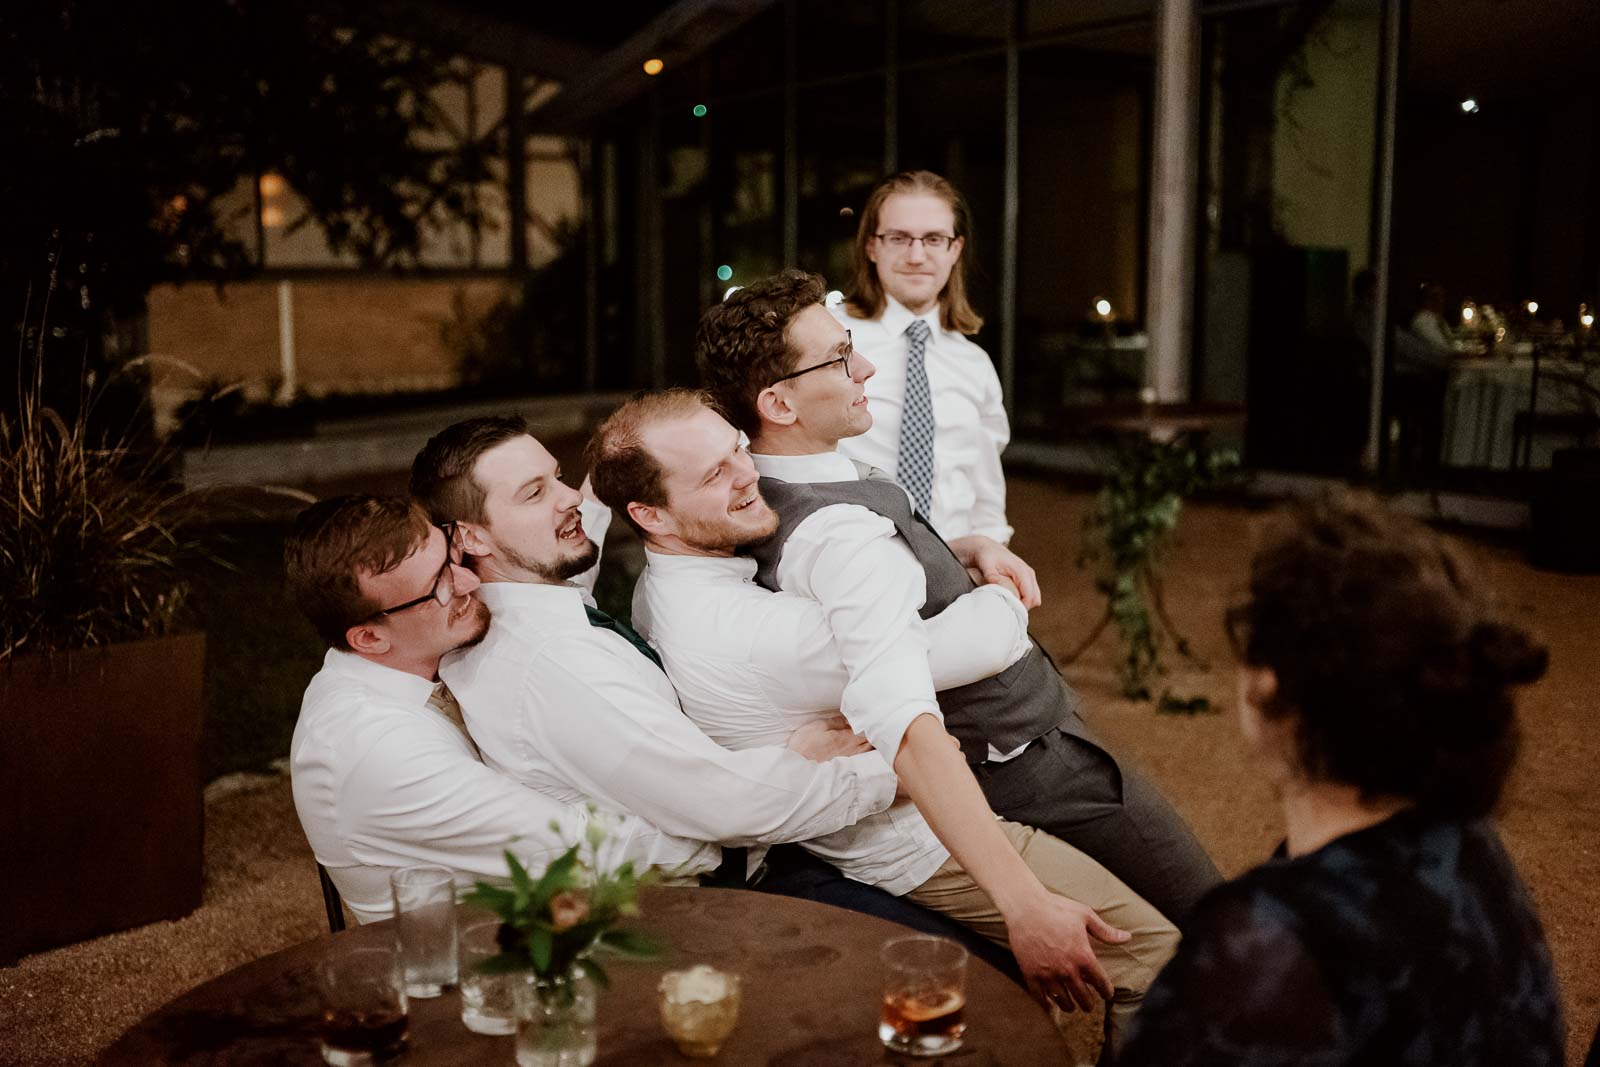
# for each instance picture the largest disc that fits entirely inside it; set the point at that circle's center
(811, 987)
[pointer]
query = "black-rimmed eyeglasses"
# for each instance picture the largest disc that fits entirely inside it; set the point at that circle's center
(444, 583)
(849, 350)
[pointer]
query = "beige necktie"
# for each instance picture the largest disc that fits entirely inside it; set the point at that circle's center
(444, 702)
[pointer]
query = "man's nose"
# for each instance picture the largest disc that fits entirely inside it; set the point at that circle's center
(463, 581)
(861, 368)
(916, 252)
(744, 471)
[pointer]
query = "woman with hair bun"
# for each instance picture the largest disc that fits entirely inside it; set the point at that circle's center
(1376, 686)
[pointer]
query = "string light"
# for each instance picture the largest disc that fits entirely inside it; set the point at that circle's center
(653, 67)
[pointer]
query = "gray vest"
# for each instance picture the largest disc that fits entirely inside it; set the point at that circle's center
(1022, 702)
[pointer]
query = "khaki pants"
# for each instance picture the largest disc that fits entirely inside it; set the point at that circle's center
(1132, 966)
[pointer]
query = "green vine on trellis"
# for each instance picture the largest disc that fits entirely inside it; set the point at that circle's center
(1126, 536)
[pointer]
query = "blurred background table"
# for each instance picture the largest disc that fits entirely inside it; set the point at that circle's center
(1485, 396)
(811, 973)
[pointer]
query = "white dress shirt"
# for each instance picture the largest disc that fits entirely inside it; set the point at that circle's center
(383, 780)
(854, 563)
(750, 666)
(969, 486)
(578, 713)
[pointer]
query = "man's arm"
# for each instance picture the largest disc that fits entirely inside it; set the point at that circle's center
(614, 738)
(1048, 934)
(870, 587)
(991, 563)
(414, 798)
(988, 517)
(596, 521)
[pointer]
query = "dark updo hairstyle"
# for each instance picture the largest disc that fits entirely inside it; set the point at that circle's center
(1390, 658)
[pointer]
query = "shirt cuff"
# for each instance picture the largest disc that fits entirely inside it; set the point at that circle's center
(1000, 532)
(876, 783)
(888, 729)
(1021, 642)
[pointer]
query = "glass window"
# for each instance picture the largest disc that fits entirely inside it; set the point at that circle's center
(1082, 199)
(1289, 144)
(837, 37)
(952, 122)
(936, 29)
(1496, 257)
(841, 159)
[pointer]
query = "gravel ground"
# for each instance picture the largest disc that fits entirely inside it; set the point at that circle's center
(261, 895)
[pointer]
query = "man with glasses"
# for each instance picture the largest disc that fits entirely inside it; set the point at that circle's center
(939, 421)
(850, 539)
(383, 772)
(751, 665)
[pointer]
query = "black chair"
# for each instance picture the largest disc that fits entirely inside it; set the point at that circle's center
(331, 901)
(1581, 426)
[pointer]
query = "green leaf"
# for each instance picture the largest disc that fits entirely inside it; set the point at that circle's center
(632, 943)
(540, 947)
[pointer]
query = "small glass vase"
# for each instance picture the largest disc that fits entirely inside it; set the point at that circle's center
(555, 1021)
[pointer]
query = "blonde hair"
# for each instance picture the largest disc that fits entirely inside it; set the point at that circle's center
(867, 299)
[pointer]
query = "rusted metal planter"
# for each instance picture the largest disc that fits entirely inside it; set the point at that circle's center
(101, 819)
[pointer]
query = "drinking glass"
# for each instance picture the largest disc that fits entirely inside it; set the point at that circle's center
(425, 928)
(924, 995)
(363, 1004)
(488, 1001)
(699, 1008)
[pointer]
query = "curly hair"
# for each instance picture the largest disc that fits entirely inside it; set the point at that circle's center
(741, 345)
(1391, 659)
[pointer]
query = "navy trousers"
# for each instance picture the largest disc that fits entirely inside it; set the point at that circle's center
(794, 872)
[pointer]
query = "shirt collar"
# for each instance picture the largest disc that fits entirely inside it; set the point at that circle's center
(821, 467)
(740, 568)
(563, 599)
(400, 686)
(896, 317)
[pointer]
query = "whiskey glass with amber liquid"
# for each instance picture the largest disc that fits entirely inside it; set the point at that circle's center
(924, 996)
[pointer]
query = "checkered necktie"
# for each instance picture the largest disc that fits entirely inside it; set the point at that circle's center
(914, 468)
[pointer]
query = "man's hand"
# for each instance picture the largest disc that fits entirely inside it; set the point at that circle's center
(1050, 939)
(821, 740)
(991, 563)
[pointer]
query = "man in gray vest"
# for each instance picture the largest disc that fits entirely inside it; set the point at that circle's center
(750, 666)
(784, 372)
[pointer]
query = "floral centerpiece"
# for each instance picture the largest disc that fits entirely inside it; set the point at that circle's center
(551, 928)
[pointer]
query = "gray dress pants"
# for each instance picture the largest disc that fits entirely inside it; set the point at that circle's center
(1074, 789)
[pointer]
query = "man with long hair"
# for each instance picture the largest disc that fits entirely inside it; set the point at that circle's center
(939, 420)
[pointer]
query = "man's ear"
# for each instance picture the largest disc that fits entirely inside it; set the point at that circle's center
(773, 408)
(366, 639)
(955, 248)
(654, 521)
(473, 539)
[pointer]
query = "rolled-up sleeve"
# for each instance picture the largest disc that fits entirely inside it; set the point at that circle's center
(851, 561)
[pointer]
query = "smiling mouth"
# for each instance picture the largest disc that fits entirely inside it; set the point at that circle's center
(745, 503)
(461, 613)
(573, 531)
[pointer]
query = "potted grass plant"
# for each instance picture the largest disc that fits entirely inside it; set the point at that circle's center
(100, 690)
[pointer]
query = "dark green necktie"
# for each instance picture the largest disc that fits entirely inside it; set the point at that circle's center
(616, 626)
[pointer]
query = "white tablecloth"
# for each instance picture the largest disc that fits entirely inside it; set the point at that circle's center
(1483, 397)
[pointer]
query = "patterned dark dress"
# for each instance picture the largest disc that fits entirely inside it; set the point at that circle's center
(1410, 943)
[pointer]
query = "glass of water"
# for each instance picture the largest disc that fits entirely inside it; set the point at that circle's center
(488, 1001)
(425, 928)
